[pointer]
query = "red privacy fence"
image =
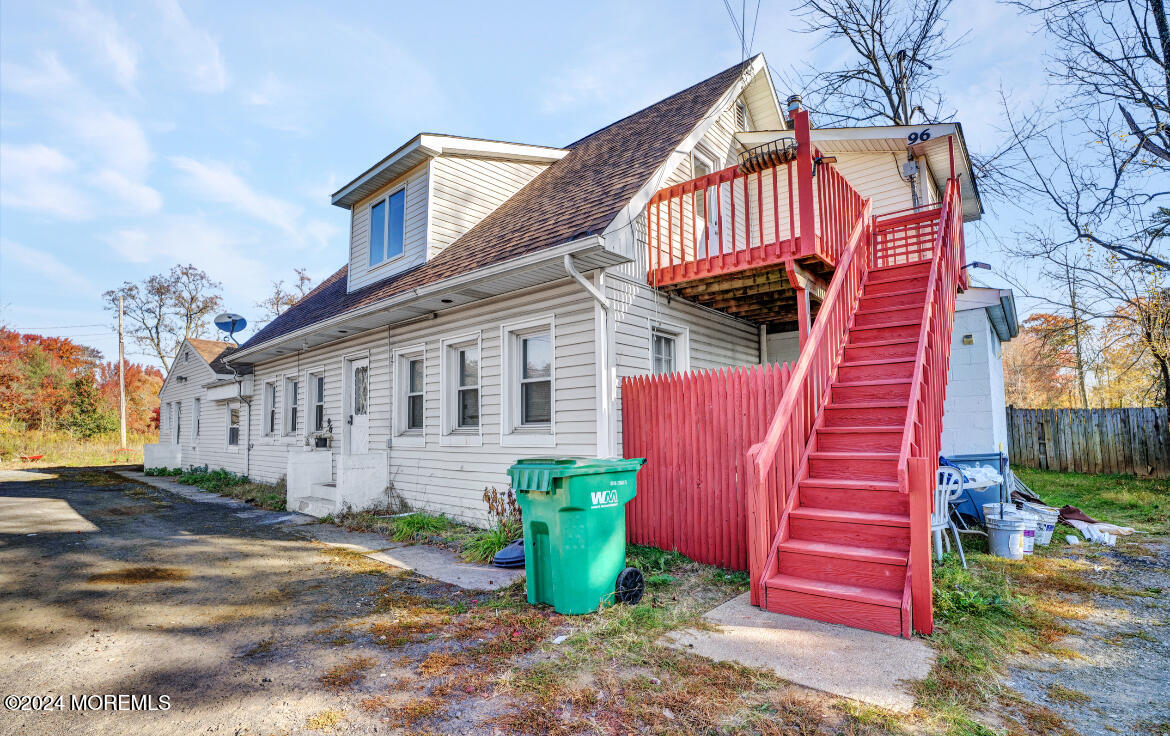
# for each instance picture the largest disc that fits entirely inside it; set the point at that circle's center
(695, 430)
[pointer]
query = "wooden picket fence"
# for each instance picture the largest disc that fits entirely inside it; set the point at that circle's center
(695, 430)
(1131, 441)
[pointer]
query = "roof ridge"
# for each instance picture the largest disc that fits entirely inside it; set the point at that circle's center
(743, 65)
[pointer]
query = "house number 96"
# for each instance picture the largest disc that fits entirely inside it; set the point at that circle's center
(922, 137)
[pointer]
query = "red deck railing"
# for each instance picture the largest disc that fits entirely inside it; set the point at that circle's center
(735, 219)
(779, 460)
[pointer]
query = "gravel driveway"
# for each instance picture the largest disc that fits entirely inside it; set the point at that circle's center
(214, 621)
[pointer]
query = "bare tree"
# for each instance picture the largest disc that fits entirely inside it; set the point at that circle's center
(165, 309)
(1103, 160)
(897, 47)
(282, 298)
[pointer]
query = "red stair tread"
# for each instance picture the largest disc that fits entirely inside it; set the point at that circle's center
(858, 593)
(860, 429)
(850, 517)
(872, 382)
(861, 485)
(878, 361)
(830, 455)
(884, 325)
(880, 343)
(879, 310)
(845, 551)
(875, 404)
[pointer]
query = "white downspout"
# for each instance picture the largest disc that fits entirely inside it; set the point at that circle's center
(605, 393)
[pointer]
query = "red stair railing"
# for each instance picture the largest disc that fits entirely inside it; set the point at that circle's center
(778, 462)
(921, 435)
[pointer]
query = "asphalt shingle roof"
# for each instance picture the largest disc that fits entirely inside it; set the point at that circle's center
(577, 195)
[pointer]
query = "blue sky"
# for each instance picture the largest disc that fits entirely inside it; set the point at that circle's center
(136, 135)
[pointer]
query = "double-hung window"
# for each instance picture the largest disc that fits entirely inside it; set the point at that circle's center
(292, 404)
(317, 397)
(410, 381)
(178, 421)
(198, 418)
(528, 378)
(270, 408)
(668, 349)
(233, 428)
(459, 402)
(387, 227)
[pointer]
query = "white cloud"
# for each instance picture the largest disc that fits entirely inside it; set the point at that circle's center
(117, 140)
(105, 36)
(139, 197)
(194, 49)
(225, 254)
(40, 263)
(216, 182)
(48, 76)
(38, 178)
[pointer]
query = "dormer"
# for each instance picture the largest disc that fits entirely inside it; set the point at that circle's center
(424, 196)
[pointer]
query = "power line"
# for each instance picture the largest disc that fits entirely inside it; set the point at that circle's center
(56, 327)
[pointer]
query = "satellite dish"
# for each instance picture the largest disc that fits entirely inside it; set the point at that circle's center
(231, 323)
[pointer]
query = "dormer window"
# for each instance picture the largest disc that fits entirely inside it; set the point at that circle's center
(387, 227)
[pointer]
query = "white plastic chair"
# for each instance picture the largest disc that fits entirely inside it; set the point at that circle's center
(949, 488)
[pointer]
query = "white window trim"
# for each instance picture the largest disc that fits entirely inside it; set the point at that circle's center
(310, 403)
(451, 435)
(176, 424)
(682, 343)
(511, 433)
(227, 426)
(196, 418)
(384, 197)
(268, 403)
(402, 436)
(747, 116)
(286, 429)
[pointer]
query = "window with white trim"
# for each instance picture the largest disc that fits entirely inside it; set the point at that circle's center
(292, 404)
(668, 349)
(528, 401)
(415, 394)
(198, 416)
(460, 400)
(233, 425)
(317, 400)
(410, 383)
(743, 123)
(387, 227)
(178, 421)
(270, 408)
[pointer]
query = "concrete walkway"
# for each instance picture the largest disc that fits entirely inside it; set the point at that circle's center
(433, 562)
(863, 665)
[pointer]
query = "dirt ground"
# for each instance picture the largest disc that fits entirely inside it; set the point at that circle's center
(1116, 679)
(114, 588)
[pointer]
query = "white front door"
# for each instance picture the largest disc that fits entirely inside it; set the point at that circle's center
(357, 406)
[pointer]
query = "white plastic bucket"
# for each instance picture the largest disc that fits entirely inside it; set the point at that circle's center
(1003, 511)
(1006, 535)
(1048, 517)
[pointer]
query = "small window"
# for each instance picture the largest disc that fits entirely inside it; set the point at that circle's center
(292, 404)
(387, 227)
(270, 408)
(466, 375)
(198, 417)
(186, 355)
(233, 430)
(178, 421)
(663, 352)
(361, 390)
(317, 387)
(536, 379)
(700, 166)
(415, 381)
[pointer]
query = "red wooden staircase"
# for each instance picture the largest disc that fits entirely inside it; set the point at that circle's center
(861, 416)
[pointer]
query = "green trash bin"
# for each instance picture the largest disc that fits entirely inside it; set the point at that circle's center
(574, 512)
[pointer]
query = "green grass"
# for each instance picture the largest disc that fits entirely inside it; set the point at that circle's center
(62, 449)
(227, 483)
(1143, 503)
(484, 545)
(418, 526)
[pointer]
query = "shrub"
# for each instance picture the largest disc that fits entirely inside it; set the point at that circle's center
(418, 526)
(506, 525)
(163, 472)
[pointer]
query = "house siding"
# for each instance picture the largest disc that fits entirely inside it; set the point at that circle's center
(414, 248)
(437, 477)
(197, 373)
(465, 190)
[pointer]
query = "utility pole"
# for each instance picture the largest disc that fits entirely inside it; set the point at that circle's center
(121, 373)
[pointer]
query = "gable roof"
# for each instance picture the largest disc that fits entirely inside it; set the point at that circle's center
(209, 350)
(576, 196)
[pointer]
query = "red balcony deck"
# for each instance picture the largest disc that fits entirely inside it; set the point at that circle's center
(730, 239)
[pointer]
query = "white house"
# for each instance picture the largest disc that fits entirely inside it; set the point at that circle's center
(493, 296)
(975, 416)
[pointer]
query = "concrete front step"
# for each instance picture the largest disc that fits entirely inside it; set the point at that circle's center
(315, 505)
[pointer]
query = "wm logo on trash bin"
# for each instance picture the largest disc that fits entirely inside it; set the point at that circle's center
(604, 498)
